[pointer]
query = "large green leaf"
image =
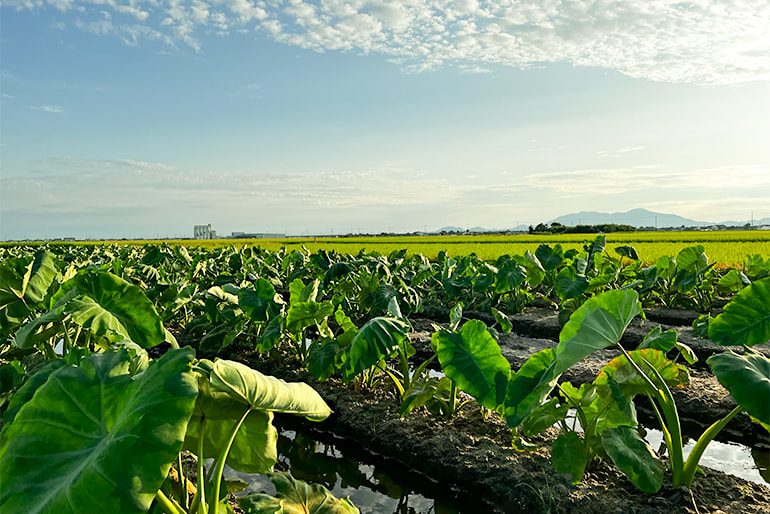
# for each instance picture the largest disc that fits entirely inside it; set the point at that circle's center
(634, 457)
(39, 276)
(568, 454)
(95, 439)
(530, 386)
(295, 497)
(569, 284)
(26, 392)
(732, 282)
(254, 448)
(747, 377)
(24, 284)
(472, 358)
(376, 340)
(262, 392)
(549, 258)
(106, 304)
(659, 340)
(510, 275)
(598, 323)
(746, 319)
(548, 414)
(260, 303)
(27, 336)
(305, 314)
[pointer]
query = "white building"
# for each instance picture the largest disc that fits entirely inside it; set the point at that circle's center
(204, 232)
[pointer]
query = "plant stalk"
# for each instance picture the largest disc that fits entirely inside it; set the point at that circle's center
(691, 465)
(169, 505)
(218, 469)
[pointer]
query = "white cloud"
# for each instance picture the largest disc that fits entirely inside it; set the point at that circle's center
(56, 109)
(708, 41)
(651, 178)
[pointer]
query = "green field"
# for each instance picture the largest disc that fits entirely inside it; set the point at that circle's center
(728, 248)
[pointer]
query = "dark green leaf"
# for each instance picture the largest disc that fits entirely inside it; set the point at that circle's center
(747, 377)
(627, 251)
(473, 360)
(568, 455)
(633, 456)
(376, 340)
(530, 386)
(90, 438)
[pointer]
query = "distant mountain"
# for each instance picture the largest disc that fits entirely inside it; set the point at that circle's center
(448, 229)
(642, 218)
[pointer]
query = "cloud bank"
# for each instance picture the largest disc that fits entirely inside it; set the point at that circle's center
(698, 41)
(116, 198)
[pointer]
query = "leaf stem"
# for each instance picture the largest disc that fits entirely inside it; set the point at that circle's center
(169, 505)
(216, 472)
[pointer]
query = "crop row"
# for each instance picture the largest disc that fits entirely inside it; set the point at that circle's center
(81, 396)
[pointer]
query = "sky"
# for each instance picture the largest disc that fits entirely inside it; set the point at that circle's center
(142, 118)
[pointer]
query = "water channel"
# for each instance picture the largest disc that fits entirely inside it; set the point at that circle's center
(376, 485)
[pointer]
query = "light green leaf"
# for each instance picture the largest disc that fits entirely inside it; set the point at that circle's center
(295, 497)
(263, 392)
(597, 324)
(106, 303)
(305, 314)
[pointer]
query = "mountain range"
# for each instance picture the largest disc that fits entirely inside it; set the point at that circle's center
(635, 217)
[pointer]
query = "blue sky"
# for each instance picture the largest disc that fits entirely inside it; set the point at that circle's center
(141, 118)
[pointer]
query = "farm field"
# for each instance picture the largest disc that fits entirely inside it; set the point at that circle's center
(726, 248)
(509, 378)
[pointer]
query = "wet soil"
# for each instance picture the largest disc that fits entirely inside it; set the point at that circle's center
(471, 457)
(700, 404)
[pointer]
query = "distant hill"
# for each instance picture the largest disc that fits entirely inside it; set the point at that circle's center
(449, 229)
(642, 218)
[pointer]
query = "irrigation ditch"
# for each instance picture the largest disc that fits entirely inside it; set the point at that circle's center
(467, 463)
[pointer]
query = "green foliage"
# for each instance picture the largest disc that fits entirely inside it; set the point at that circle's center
(472, 359)
(89, 439)
(746, 319)
(634, 457)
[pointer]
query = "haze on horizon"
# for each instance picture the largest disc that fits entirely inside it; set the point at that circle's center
(142, 118)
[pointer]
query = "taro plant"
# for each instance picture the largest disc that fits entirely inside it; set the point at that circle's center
(94, 307)
(599, 324)
(102, 436)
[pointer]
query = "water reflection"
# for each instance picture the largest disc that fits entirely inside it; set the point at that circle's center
(372, 488)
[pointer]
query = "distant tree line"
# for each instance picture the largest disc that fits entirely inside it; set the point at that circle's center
(558, 228)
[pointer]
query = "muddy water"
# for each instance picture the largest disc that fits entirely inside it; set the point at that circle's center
(376, 488)
(381, 488)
